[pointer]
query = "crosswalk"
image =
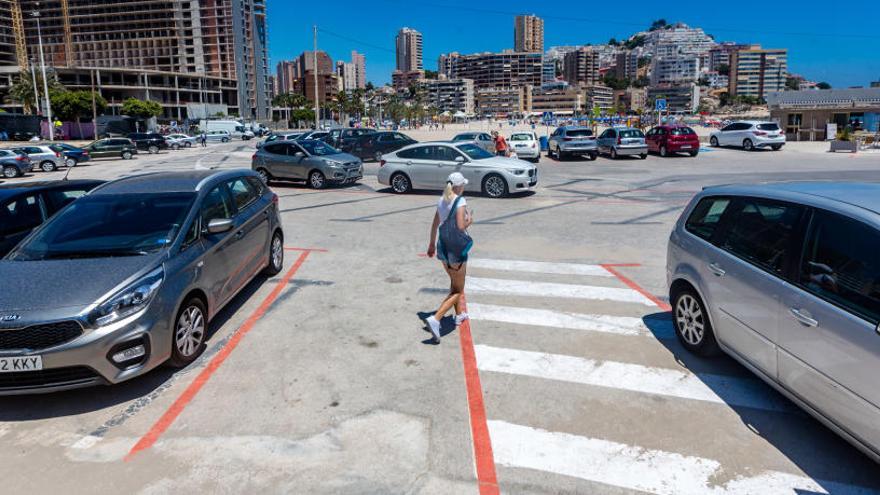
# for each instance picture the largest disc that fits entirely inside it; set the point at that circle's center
(540, 327)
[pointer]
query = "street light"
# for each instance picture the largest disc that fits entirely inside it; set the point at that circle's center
(36, 14)
(36, 93)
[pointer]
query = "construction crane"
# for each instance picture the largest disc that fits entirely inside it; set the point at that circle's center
(18, 31)
(68, 40)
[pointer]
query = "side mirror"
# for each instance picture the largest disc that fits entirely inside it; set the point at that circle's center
(219, 225)
(459, 159)
(299, 154)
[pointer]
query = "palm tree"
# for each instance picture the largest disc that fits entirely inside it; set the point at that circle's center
(22, 90)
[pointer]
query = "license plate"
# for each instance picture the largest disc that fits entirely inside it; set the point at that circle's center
(521, 145)
(686, 147)
(16, 364)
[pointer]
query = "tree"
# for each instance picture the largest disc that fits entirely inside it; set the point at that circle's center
(141, 109)
(823, 85)
(614, 83)
(658, 24)
(370, 87)
(430, 74)
(634, 42)
(641, 82)
(22, 90)
(613, 42)
(303, 115)
(792, 83)
(74, 105)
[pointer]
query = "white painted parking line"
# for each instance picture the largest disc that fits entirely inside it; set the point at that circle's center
(719, 389)
(638, 468)
(539, 267)
(546, 289)
(619, 325)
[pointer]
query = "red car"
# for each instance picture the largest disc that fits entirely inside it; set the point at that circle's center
(668, 139)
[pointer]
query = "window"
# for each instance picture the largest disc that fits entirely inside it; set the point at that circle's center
(20, 215)
(585, 133)
(768, 127)
(445, 153)
(842, 265)
(275, 149)
(242, 193)
(417, 153)
(216, 205)
(59, 199)
(257, 185)
(386, 138)
(631, 133)
(761, 231)
(682, 131)
(705, 217)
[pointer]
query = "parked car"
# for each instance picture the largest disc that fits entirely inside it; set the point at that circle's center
(218, 136)
(526, 146)
(112, 147)
(427, 165)
(621, 141)
(151, 142)
(177, 141)
(373, 146)
(671, 139)
(235, 128)
(14, 164)
(284, 136)
(131, 291)
(315, 162)
(42, 156)
(23, 207)
(72, 154)
(567, 141)
(749, 135)
(319, 135)
(784, 278)
(343, 138)
(482, 139)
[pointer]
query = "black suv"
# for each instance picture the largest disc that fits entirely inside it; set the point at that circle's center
(373, 146)
(150, 142)
(344, 138)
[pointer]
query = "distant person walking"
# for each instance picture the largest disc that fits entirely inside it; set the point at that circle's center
(451, 221)
(204, 140)
(500, 143)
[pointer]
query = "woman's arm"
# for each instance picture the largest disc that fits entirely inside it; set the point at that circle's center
(432, 244)
(462, 218)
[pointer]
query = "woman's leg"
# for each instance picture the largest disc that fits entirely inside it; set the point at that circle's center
(456, 287)
(458, 277)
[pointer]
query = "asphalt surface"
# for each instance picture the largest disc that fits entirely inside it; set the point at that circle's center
(566, 380)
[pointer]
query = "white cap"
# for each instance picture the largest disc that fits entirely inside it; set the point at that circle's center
(456, 179)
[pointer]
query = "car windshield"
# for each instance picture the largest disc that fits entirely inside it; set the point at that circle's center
(474, 152)
(318, 148)
(768, 127)
(108, 226)
(63, 146)
(631, 133)
(522, 137)
(465, 137)
(682, 131)
(579, 133)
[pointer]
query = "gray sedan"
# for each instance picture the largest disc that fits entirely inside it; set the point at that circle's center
(129, 290)
(427, 165)
(623, 141)
(315, 162)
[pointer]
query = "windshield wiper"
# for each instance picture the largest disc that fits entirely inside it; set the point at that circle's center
(95, 253)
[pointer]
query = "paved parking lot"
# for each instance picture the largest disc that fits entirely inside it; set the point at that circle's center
(568, 378)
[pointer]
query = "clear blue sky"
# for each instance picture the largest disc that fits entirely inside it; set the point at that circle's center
(837, 42)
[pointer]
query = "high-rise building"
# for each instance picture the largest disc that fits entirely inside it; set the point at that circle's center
(756, 72)
(528, 34)
(875, 84)
(360, 69)
(675, 70)
(451, 95)
(409, 50)
(284, 76)
(627, 66)
(306, 62)
(495, 70)
(208, 52)
(681, 38)
(347, 75)
(720, 54)
(581, 67)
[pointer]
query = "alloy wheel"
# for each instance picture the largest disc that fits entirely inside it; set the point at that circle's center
(316, 180)
(277, 253)
(10, 172)
(400, 183)
(264, 175)
(378, 156)
(70, 162)
(190, 331)
(47, 166)
(663, 151)
(495, 186)
(714, 142)
(689, 319)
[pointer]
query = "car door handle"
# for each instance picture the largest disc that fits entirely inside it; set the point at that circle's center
(717, 270)
(803, 318)
(409, 162)
(239, 234)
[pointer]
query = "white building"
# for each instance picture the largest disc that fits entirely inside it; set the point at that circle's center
(675, 70)
(451, 95)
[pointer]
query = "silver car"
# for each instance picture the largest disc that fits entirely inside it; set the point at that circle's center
(568, 141)
(291, 136)
(427, 165)
(315, 162)
(129, 290)
(785, 278)
(622, 141)
(482, 139)
(44, 157)
(177, 141)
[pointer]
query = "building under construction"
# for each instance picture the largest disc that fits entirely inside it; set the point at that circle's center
(195, 57)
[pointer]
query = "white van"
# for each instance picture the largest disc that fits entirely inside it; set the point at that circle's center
(235, 128)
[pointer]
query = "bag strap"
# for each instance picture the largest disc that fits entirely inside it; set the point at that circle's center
(452, 211)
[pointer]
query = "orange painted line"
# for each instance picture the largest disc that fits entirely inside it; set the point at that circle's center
(168, 418)
(484, 460)
(636, 287)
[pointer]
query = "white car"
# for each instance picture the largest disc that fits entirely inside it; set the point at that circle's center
(44, 157)
(749, 135)
(526, 146)
(177, 141)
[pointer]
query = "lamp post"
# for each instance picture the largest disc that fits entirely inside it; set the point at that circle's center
(36, 93)
(51, 126)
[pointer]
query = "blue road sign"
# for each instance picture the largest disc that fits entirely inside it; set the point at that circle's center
(660, 104)
(547, 116)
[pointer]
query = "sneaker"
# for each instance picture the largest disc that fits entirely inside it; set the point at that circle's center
(459, 319)
(434, 325)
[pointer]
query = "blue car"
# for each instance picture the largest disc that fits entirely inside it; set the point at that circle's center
(72, 154)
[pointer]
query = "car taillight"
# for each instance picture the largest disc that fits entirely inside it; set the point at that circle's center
(57, 154)
(21, 158)
(254, 157)
(759, 133)
(85, 153)
(381, 163)
(567, 139)
(619, 140)
(534, 144)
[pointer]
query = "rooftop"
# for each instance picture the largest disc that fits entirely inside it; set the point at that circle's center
(854, 97)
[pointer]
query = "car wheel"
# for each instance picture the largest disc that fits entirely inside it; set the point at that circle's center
(175, 146)
(224, 140)
(776, 147)
(694, 153)
(265, 176)
(494, 186)
(378, 156)
(276, 256)
(713, 141)
(643, 156)
(613, 154)
(692, 325)
(48, 166)
(664, 152)
(190, 331)
(593, 156)
(748, 145)
(317, 180)
(400, 183)
(126, 155)
(10, 172)
(188, 144)
(70, 162)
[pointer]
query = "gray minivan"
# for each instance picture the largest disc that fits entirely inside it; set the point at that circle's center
(785, 278)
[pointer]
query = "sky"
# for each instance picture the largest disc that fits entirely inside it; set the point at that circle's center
(839, 45)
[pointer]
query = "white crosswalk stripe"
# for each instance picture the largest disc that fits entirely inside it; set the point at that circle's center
(547, 289)
(540, 267)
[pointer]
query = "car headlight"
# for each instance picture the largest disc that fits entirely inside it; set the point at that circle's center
(518, 172)
(130, 300)
(332, 164)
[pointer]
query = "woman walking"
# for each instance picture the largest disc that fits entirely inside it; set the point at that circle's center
(451, 221)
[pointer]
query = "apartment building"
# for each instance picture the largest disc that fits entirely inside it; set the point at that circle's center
(633, 99)
(680, 98)
(528, 33)
(352, 75)
(756, 72)
(451, 95)
(401, 80)
(185, 39)
(581, 67)
(720, 54)
(561, 99)
(627, 65)
(503, 102)
(495, 70)
(685, 40)
(409, 50)
(598, 95)
(675, 70)
(360, 69)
